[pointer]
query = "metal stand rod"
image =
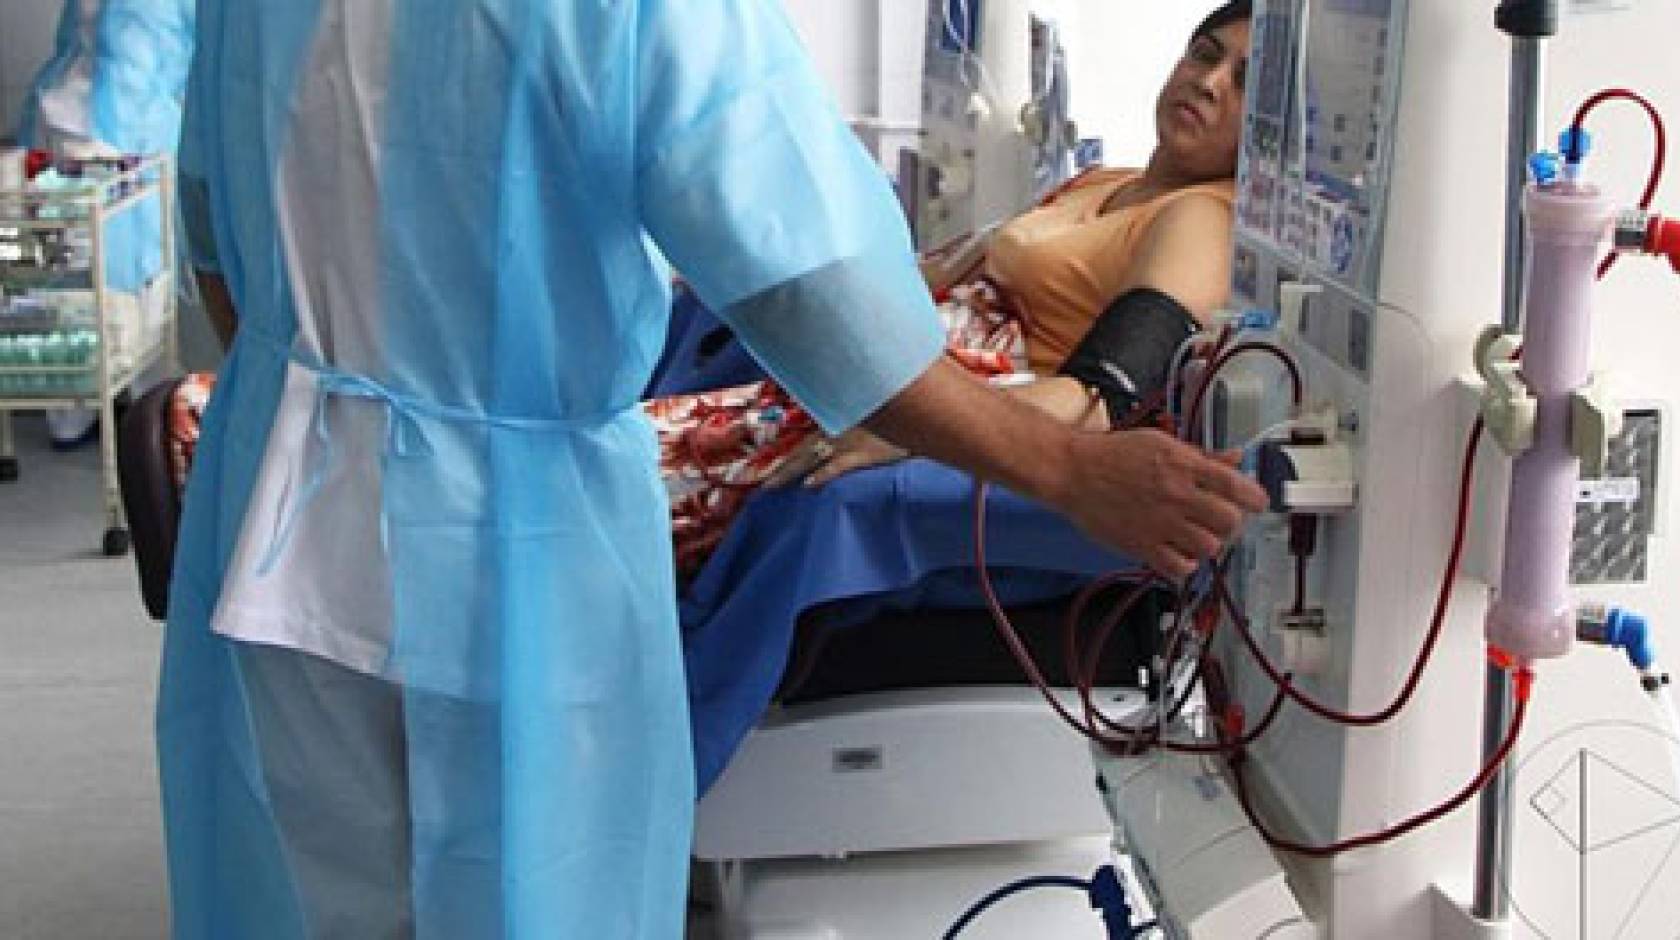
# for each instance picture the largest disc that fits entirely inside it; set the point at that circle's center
(1493, 838)
(1527, 116)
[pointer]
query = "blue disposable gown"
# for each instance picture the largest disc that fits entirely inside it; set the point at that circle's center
(445, 225)
(115, 79)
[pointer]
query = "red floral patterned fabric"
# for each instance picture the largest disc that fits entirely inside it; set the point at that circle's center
(716, 448)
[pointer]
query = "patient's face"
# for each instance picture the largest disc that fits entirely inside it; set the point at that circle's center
(1198, 118)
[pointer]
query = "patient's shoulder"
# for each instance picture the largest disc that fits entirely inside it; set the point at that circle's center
(1194, 207)
(1186, 252)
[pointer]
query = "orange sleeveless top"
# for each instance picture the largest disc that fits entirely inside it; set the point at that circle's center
(1064, 263)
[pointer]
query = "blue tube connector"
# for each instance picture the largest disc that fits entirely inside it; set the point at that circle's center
(1621, 629)
(1108, 898)
(1576, 145)
(1545, 168)
(1258, 319)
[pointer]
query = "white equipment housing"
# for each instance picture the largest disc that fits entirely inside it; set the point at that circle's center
(849, 776)
(1207, 873)
(887, 815)
(1399, 262)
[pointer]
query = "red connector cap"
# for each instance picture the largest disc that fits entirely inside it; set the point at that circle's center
(1521, 673)
(1663, 238)
(36, 162)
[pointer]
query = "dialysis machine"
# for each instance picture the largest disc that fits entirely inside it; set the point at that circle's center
(996, 129)
(1374, 190)
(1379, 233)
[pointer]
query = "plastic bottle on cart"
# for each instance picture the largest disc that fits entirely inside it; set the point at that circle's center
(8, 352)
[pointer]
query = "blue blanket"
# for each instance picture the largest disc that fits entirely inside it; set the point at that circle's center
(898, 537)
(889, 536)
(701, 354)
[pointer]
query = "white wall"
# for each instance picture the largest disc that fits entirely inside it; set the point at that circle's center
(1120, 50)
(26, 31)
(1121, 54)
(841, 36)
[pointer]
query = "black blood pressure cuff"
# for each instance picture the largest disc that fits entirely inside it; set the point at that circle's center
(1127, 354)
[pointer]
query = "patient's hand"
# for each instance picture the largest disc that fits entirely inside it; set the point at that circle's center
(857, 449)
(821, 459)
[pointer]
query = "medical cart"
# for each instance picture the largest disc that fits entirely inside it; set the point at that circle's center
(67, 337)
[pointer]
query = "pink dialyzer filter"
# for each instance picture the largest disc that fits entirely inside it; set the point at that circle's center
(1533, 616)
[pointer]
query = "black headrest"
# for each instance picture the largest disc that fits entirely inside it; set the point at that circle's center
(149, 493)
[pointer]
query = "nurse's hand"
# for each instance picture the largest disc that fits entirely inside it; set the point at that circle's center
(1142, 493)
(1156, 499)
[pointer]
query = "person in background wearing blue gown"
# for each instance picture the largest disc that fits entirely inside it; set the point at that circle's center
(113, 87)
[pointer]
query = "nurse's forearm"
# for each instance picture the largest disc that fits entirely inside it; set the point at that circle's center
(1143, 493)
(218, 306)
(1065, 400)
(949, 415)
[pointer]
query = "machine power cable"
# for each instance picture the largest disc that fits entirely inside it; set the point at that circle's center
(1105, 890)
(1010, 890)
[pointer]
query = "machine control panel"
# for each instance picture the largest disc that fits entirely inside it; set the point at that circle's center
(1319, 137)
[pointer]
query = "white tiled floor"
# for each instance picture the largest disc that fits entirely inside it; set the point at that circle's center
(80, 843)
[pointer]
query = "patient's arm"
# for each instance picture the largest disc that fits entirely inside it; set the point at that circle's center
(945, 267)
(1187, 255)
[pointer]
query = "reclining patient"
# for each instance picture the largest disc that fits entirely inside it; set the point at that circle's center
(1086, 298)
(1089, 296)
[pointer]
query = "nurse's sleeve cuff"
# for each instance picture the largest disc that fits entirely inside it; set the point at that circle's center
(845, 338)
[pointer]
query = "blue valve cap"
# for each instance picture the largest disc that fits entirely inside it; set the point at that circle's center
(1546, 168)
(1631, 633)
(1576, 145)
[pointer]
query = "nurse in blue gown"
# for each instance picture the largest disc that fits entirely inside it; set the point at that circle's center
(422, 672)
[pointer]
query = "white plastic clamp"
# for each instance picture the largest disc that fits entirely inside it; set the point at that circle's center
(1595, 420)
(1508, 410)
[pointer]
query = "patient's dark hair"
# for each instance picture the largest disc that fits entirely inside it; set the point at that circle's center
(1231, 12)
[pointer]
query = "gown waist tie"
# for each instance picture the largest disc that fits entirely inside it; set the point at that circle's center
(405, 436)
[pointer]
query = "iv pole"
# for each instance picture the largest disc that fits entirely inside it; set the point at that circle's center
(1529, 23)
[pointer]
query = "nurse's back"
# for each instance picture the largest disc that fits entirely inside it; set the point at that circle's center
(437, 195)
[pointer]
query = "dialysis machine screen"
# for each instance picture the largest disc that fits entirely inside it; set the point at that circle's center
(1318, 141)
